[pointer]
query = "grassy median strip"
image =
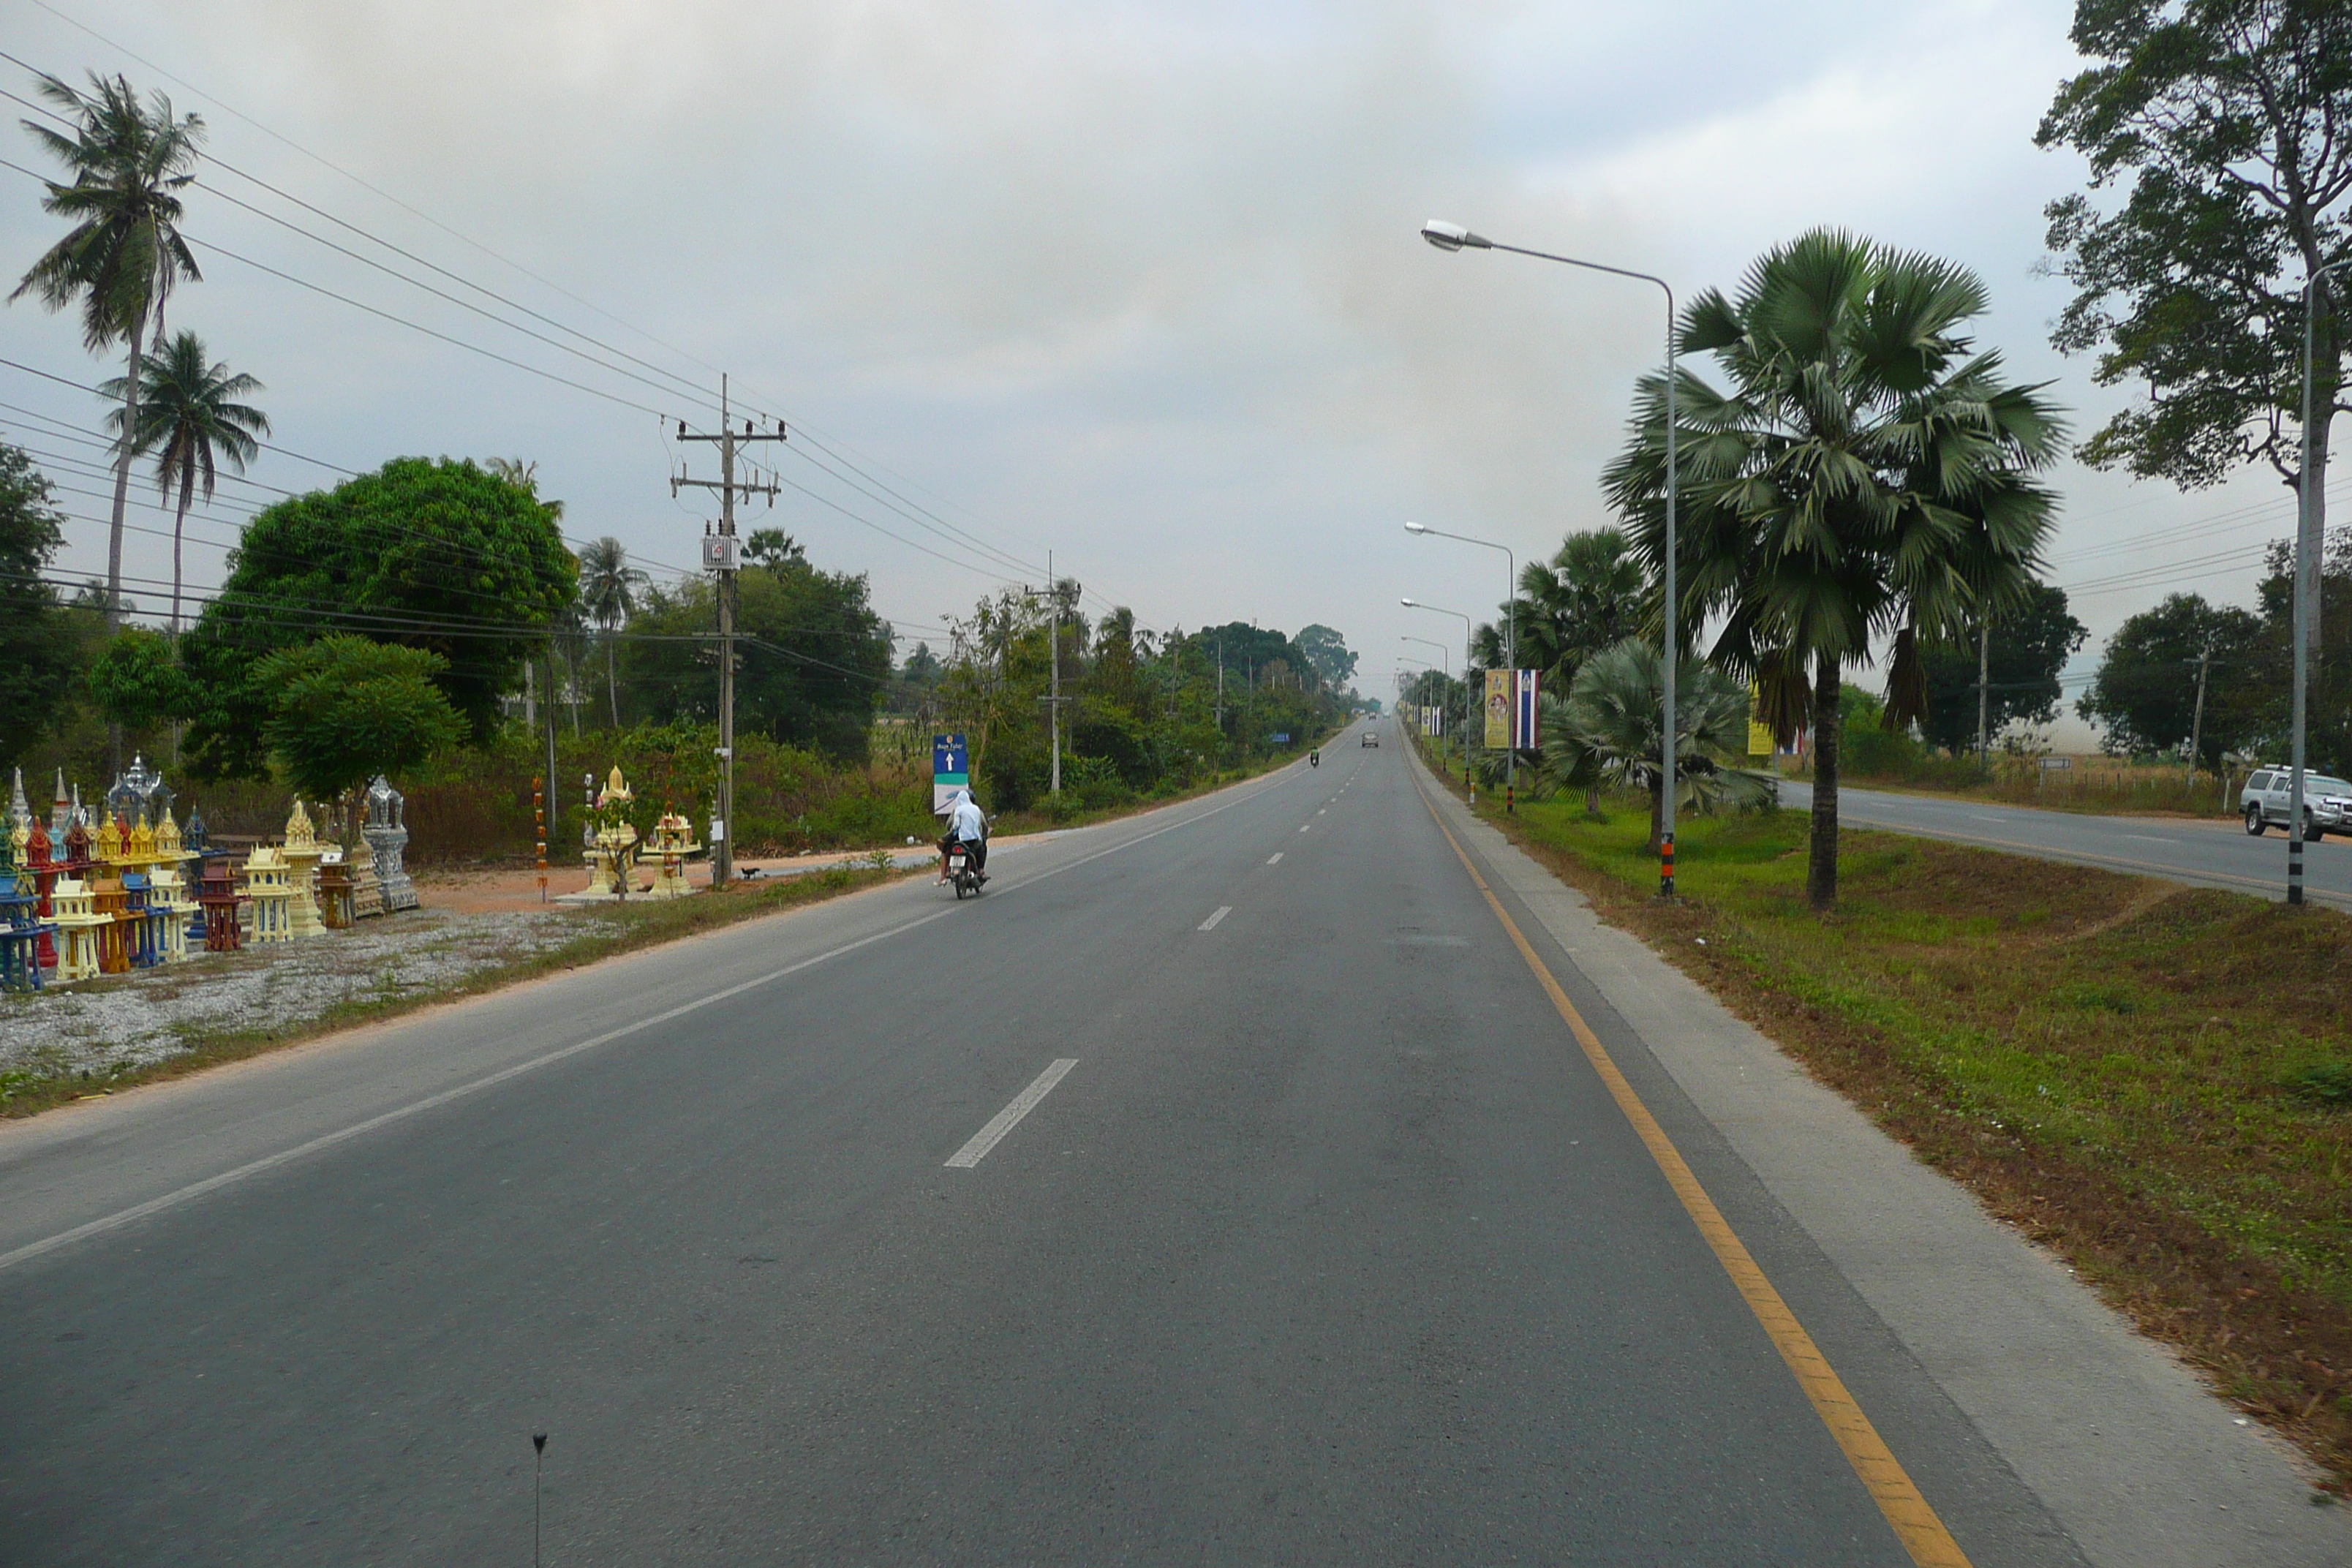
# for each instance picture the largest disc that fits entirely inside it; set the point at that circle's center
(2153, 1080)
(606, 931)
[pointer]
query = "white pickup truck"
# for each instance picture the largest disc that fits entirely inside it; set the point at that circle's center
(2268, 796)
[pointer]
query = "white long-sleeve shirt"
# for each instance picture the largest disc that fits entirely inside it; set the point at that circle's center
(966, 823)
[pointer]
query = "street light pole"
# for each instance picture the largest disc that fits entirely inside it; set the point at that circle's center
(2310, 521)
(1510, 642)
(1450, 237)
(1444, 669)
(1469, 661)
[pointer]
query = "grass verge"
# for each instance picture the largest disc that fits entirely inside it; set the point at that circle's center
(2154, 1081)
(604, 932)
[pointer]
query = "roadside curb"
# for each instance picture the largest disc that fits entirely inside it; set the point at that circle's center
(2135, 1459)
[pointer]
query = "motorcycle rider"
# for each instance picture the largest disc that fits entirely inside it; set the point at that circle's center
(966, 827)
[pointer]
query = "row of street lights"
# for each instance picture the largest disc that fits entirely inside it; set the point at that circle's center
(1453, 237)
(2309, 530)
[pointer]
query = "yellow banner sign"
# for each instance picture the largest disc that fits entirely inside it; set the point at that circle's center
(1499, 709)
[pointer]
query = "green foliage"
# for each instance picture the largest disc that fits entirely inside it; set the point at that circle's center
(2143, 696)
(2328, 1083)
(2029, 647)
(137, 681)
(123, 252)
(35, 657)
(1867, 476)
(438, 556)
(190, 423)
(346, 709)
(1326, 652)
(1611, 728)
(816, 656)
(2228, 117)
(1588, 597)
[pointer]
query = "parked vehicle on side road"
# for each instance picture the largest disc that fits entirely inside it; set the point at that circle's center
(2269, 795)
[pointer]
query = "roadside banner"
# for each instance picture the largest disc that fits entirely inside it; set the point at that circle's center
(1499, 710)
(950, 770)
(1523, 712)
(1760, 735)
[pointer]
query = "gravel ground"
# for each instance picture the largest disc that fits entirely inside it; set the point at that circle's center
(131, 1020)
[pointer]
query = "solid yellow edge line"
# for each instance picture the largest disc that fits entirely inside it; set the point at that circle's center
(1890, 1486)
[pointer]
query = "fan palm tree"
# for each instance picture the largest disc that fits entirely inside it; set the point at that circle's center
(608, 596)
(1607, 730)
(188, 420)
(1866, 478)
(119, 261)
(1587, 598)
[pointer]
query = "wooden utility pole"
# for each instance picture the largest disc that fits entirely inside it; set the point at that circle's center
(723, 555)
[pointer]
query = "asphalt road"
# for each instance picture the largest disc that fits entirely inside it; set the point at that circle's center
(2213, 854)
(1323, 1243)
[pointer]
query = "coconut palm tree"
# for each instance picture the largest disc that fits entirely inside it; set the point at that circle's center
(608, 596)
(1866, 479)
(187, 418)
(1607, 730)
(119, 261)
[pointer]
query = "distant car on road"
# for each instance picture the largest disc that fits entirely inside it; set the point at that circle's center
(2268, 796)
(1372, 738)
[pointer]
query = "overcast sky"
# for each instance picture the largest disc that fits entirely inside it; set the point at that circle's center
(1140, 284)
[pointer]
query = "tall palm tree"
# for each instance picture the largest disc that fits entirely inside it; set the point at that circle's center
(187, 418)
(1588, 597)
(608, 594)
(1608, 730)
(124, 252)
(1866, 480)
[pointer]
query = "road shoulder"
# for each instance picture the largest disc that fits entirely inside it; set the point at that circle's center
(2136, 1461)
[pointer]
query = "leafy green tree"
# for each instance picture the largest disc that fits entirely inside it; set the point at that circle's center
(347, 708)
(189, 421)
(1611, 728)
(36, 663)
(137, 682)
(434, 555)
(1326, 652)
(1867, 475)
(609, 586)
(816, 656)
(124, 251)
(2230, 119)
(2144, 696)
(2027, 650)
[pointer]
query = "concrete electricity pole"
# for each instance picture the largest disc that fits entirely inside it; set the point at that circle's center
(1053, 698)
(723, 555)
(1984, 697)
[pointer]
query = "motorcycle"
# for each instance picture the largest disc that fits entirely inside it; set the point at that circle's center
(966, 878)
(1313, 759)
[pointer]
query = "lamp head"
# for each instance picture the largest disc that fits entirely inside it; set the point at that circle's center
(1408, 604)
(1451, 235)
(1415, 528)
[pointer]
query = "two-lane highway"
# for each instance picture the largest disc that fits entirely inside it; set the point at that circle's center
(1222, 1186)
(2181, 849)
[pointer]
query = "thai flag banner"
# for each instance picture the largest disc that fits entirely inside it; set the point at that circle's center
(1523, 711)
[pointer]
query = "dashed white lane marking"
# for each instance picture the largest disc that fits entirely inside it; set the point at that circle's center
(1006, 1119)
(1276, 859)
(1210, 923)
(2144, 838)
(1321, 809)
(1303, 826)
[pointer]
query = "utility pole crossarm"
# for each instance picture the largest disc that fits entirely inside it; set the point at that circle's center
(722, 560)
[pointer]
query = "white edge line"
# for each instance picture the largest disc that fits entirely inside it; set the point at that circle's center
(1006, 1119)
(1210, 923)
(267, 1162)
